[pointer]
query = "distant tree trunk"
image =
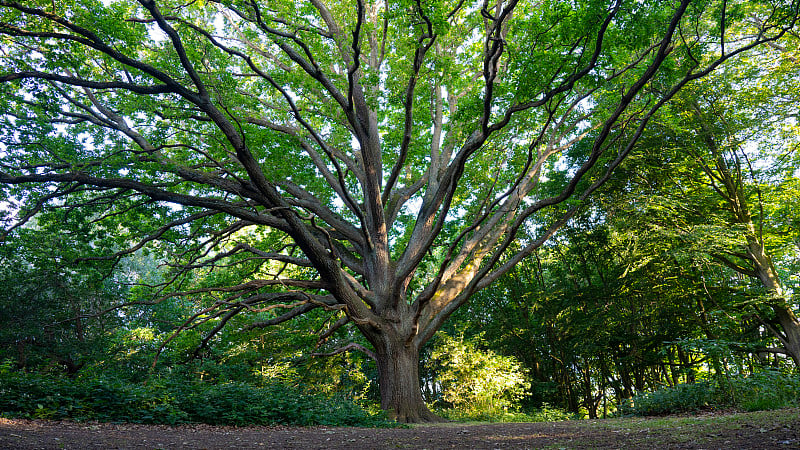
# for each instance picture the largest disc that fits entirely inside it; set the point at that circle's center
(626, 390)
(588, 395)
(791, 329)
(765, 271)
(761, 266)
(22, 355)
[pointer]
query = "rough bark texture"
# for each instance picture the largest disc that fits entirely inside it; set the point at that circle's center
(791, 329)
(398, 375)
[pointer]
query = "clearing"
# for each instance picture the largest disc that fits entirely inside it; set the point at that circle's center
(764, 429)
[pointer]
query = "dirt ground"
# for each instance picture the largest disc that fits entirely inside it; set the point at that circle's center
(764, 430)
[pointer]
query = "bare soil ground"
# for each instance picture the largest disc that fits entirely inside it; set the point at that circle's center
(761, 430)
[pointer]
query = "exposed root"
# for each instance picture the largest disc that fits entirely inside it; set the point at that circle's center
(417, 417)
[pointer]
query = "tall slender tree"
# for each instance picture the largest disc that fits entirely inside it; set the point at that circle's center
(371, 158)
(727, 179)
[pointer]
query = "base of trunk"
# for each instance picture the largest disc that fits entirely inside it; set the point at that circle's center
(398, 377)
(425, 416)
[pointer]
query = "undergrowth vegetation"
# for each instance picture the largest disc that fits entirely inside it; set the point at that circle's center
(546, 413)
(158, 401)
(765, 390)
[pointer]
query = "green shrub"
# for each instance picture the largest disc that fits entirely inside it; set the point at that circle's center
(765, 391)
(544, 414)
(759, 391)
(172, 401)
(547, 413)
(681, 398)
(42, 397)
(242, 404)
(477, 381)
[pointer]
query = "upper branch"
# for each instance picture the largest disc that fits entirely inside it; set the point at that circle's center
(90, 39)
(424, 43)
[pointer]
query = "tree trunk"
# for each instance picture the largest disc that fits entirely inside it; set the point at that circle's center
(768, 275)
(398, 377)
(791, 329)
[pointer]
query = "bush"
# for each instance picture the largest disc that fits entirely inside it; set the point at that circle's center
(478, 382)
(760, 391)
(765, 391)
(42, 397)
(681, 398)
(173, 401)
(242, 404)
(544, 414)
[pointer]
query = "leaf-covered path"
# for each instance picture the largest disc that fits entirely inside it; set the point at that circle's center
(767, 430)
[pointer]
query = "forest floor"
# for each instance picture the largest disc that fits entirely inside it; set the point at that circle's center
(718, 430)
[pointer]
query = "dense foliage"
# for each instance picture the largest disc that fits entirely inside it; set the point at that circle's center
(174, 400)
(474, 380)
(759, 391)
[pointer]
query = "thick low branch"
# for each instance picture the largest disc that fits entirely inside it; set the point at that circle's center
(346, 348)
(152, 191)
(299, 311)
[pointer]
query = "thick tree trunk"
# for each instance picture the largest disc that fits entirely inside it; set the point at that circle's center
(398, 377)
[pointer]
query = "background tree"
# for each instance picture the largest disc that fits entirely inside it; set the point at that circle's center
(379, 161)
(598, 317)
(50, 313)
(731, 155)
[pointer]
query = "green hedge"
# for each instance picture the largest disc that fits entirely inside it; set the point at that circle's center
(174, 401)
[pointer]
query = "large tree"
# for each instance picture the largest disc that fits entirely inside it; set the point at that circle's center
(373, 159)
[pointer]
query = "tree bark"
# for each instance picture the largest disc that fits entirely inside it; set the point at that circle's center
(791, 328)
(398, 378)
(768, 275)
